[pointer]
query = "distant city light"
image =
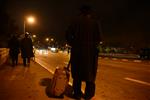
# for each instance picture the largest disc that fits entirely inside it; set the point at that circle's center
(52, 39)
(27, 33)
(101, 42)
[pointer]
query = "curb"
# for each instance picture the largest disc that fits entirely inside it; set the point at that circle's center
(125, 60)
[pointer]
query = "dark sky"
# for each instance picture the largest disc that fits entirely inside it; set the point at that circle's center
(121, 20)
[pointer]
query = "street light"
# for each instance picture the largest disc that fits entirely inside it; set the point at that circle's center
(30, 20)
(47, 39)
(52, 39)
(101, 42)
(34, 36)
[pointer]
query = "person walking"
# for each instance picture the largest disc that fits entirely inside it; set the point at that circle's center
(83, 36)
(26, 49)
(14, 49)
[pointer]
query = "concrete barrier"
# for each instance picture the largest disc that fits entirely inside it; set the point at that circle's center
(4, 52)
(125, 56)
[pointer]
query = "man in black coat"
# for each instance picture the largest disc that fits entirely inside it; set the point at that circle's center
(14, 49)
(83, 36)
(26, 49)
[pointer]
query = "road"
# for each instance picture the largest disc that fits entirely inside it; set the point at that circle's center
(116, 79)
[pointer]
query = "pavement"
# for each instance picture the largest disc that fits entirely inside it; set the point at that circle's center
(25, 83)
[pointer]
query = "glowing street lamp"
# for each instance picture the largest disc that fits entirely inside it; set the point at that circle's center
(29, 20)
(52, 39)
(47, 39)
(34, 36)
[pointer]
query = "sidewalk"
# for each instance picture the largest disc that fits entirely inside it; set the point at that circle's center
(25, 83)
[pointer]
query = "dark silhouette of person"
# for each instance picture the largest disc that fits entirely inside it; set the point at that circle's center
(83, 36)
(14, 49)
(26, 49)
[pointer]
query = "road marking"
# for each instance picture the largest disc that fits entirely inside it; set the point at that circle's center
(124, 59)
(114, 59)
(106, 58)
(137, 81)
(51, 71)
(137, 61)
(44, 65)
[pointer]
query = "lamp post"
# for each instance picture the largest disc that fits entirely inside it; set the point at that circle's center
(30, 20)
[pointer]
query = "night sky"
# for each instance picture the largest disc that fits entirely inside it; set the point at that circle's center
(124, 22)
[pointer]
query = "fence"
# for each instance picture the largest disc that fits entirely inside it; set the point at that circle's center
(3, 55)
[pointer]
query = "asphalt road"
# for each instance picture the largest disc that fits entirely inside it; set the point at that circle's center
(116, 79)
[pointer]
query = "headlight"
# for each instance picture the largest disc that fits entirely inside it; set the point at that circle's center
(43, 52)
(53, 49)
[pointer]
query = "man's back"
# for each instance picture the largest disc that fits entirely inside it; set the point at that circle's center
(86, 31)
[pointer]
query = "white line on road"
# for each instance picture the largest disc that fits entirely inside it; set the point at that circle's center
(106, 58)
(51, 71)
(124, 59)
(44, 65)
(137, 61)
(114, 59)
(137, 81)
(48, 69)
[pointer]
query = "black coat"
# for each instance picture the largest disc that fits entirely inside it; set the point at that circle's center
(13, 46)
(26, 48)
(83, 35)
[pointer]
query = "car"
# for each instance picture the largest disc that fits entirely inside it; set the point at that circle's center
(54, 49)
